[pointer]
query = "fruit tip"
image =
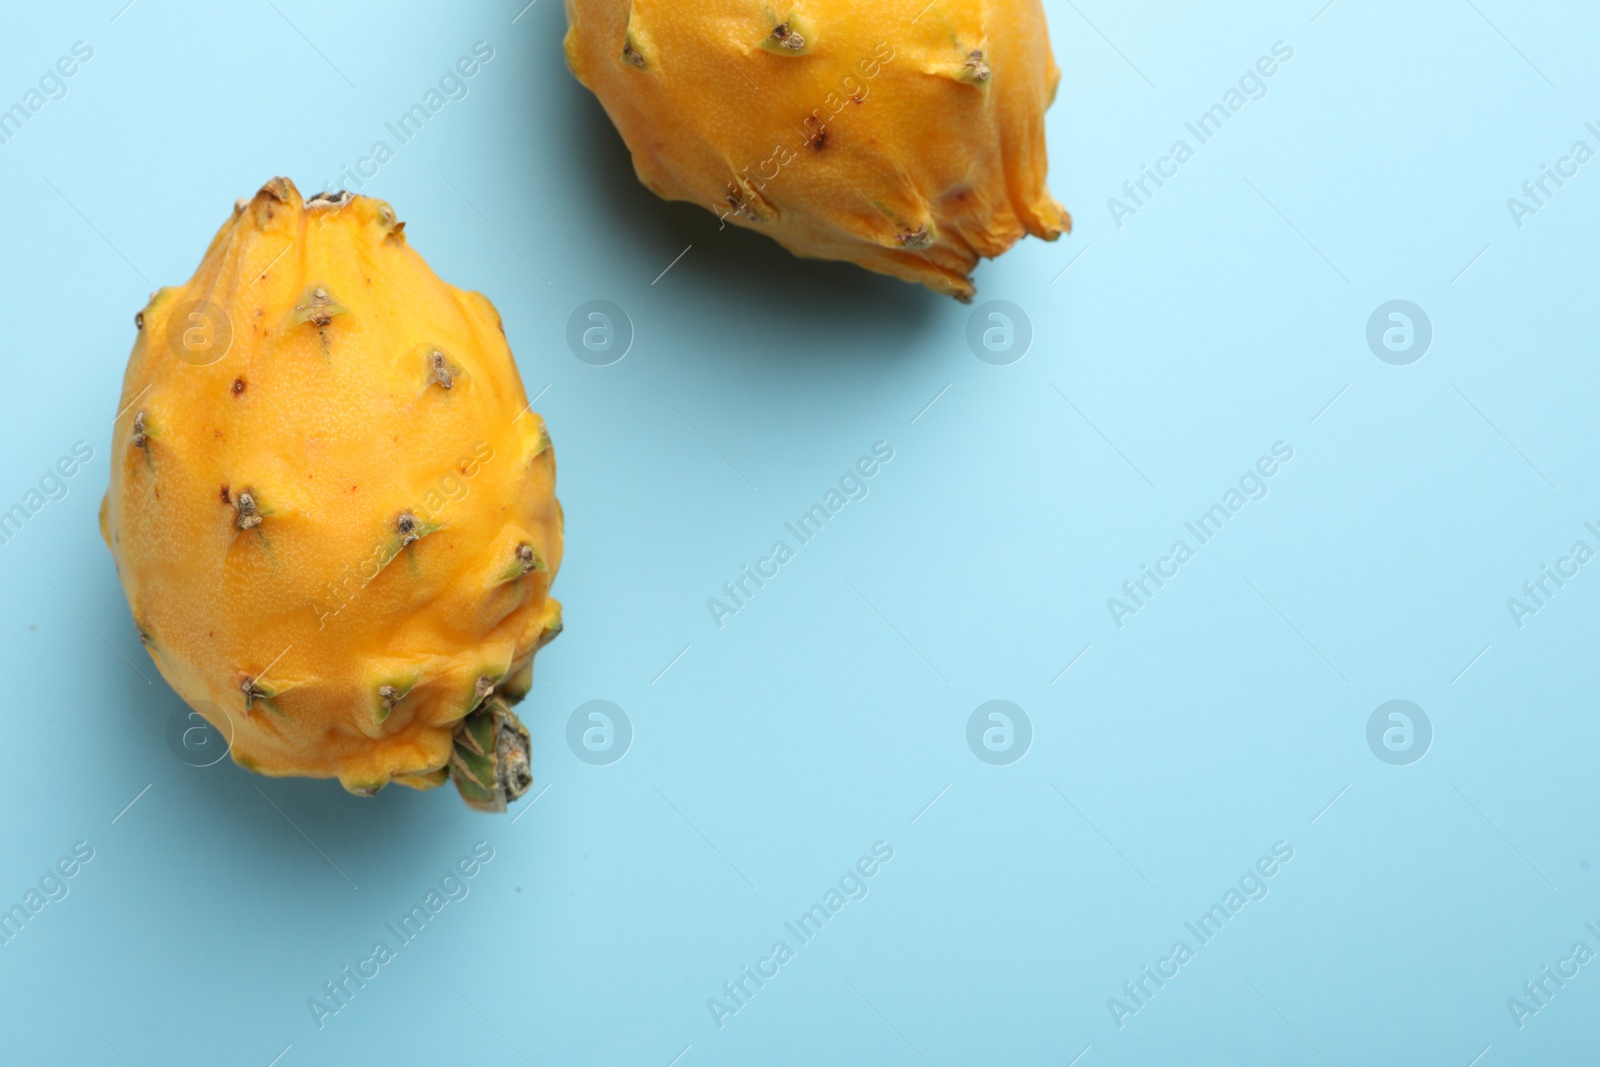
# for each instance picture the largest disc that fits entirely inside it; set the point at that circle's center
(280, 189)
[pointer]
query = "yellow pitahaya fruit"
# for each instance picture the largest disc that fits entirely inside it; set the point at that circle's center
(902, 135)
(332, 512)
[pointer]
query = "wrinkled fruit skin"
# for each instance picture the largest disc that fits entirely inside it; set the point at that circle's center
(338, 536)
(902, 136)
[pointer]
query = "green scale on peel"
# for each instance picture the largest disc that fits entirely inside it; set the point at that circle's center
(390, 694)
(317, 307)
(255, 691)
(525, 561)
(789, 36)
(490, 755)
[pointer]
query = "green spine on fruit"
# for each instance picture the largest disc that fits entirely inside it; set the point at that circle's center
(390, 694)
(411, 529)
(525, 560)
(317, 307)
(789, 37)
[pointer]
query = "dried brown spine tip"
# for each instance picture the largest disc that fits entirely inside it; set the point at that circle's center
(247, 513)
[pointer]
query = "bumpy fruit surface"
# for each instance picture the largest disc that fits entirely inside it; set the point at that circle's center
(903, 135)
(332, 513)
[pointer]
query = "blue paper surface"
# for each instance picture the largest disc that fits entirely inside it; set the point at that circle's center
(1341, 748)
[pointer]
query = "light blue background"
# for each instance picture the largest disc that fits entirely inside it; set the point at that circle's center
(1224, 717)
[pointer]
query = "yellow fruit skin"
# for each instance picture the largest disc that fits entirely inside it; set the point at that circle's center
(285, 633)
(932, 153)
